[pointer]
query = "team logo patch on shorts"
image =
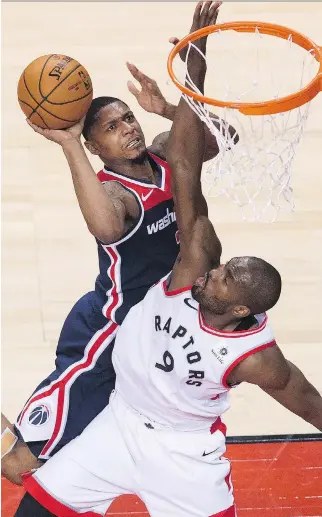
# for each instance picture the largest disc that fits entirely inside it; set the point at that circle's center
(39, 415)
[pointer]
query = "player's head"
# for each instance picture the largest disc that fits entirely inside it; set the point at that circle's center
(112, 132)
(243, 286)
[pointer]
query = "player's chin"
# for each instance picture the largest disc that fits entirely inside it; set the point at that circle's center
(135, 152)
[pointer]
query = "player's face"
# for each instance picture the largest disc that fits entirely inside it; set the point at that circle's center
(219, 290)
(117, 135)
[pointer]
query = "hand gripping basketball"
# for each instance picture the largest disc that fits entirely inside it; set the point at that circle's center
(60, 136)
(55, 91)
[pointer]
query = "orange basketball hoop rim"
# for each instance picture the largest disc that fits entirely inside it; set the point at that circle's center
(286, 103)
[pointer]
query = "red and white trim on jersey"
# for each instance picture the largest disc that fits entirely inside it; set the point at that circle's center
(176, 291)
(46, 500)
(99, 342)
(241, 358)
(114, 294)
(127, 179)
(164, 168)
(234, 334)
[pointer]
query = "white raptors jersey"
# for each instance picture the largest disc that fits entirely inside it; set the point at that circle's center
(171, 367)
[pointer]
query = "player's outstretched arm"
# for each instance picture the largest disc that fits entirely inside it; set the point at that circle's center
(298, 395)
(105, 212)
(200, 248)
(283, 381)
(151, 99)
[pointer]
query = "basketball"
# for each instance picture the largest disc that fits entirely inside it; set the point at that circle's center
(55, 91)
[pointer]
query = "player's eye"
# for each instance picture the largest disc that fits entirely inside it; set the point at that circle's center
(130, 117)
(111, 127)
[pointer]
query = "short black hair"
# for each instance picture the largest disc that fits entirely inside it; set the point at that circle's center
(263, 288)
(93, 112)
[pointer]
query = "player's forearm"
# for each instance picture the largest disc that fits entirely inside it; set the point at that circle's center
(169, 111)
(185, 154)
(300, 397)
(187, 139)
(98, 210)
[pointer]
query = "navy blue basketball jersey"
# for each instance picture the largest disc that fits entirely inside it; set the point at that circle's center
(147, 252)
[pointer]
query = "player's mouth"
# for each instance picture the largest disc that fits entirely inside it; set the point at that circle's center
(134, 143)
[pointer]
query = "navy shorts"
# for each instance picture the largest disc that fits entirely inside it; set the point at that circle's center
(80, 386)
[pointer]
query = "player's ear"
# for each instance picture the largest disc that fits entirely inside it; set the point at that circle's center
(241, 311)
(91, 147)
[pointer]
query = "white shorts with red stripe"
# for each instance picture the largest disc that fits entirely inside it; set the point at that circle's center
(175, 473)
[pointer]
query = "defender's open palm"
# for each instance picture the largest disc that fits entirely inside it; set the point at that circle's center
(149, 97)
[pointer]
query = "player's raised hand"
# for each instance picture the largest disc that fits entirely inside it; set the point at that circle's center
(149, 97)
(206, 14)
(60, 136)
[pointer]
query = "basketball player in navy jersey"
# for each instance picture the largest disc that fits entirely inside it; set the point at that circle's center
(161, 435)
(128, 207)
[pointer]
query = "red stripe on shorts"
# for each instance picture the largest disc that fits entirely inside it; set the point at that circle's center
(230, 512)
(48, 501)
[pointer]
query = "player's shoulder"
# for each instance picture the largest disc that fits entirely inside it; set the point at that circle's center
(267, 361)
(114, 186)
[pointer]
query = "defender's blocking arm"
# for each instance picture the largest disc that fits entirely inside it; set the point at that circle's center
(200, 248)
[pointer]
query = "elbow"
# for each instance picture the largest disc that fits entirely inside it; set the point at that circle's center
(106, 235)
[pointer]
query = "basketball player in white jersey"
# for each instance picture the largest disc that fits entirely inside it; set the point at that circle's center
(177, 355)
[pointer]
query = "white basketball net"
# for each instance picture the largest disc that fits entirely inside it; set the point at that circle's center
(256, 173)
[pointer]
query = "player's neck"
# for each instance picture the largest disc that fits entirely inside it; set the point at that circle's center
(140, 169)
(220, 321)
